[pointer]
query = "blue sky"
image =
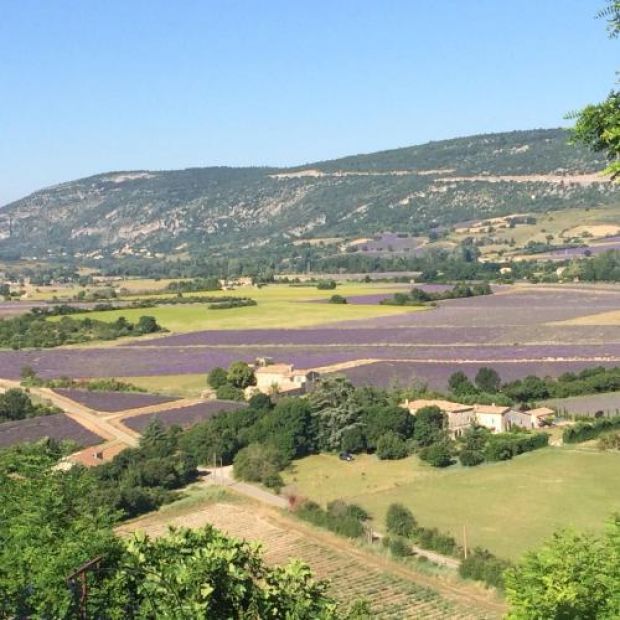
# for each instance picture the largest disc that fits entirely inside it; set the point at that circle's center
(91, 85)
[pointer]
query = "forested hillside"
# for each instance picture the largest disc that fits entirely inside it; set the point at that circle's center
(220, 210)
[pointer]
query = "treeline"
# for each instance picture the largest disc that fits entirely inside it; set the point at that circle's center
(31, 330)
(344, 519)
(584, 431)
(194, 285)
(418, 296)
(54, 522)
(403, 530)
(31, 379)
(141, 479)
(15, 404)
(478, 444)
(488, 385)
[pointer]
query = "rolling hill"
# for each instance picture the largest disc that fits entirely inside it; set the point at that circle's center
(222, 210)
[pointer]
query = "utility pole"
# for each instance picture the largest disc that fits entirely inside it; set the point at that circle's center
(465, 541)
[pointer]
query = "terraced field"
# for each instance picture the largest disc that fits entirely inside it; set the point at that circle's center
(394, 592)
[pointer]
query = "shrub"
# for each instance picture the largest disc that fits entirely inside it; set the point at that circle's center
(217, 378)
(482, 565)
(610, 441)
(471, 458)
(342, 518)
(229, 392)
(433, 539)
(584, 431)
(259, 463)
(399, 548)
(438, 454)
(326, 285)
(337, 299)
(400, 520)
(391, 446)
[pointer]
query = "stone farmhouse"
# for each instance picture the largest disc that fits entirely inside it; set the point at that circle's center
(496, 418)
(283, 379)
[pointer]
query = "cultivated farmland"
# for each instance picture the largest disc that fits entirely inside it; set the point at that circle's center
(112, 402)
(520, 330)
(393, 592)
(182, 416)
(57, 426)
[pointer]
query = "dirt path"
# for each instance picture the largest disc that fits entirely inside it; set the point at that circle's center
(81, 414)
(223, 476)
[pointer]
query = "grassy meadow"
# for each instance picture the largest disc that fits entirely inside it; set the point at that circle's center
(508, 507)
(279, 306)
(182, 386)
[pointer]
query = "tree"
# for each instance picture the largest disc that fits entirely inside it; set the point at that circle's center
(229, 392)
(487, 380)
(391, 446)
(400, 521)
(573, 575)
(378, 419)
(460, 384)
(259, 463)
(290, 427)
(147, 325)
(15, 404)
(204, 574)
(240, 375)
(598, 125)
(217, 377)
(438, 454)
(429, 424)
(336, 411)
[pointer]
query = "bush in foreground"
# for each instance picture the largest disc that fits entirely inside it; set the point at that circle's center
(400, 521)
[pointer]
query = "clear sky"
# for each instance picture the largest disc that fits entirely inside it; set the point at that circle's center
(89, 86)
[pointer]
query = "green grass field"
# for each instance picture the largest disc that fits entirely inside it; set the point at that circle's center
(279, 305)
(183, 386)
(508, 507)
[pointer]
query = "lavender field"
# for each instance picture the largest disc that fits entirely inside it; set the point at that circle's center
(57, 426)
(111, 402)
(183, 416)
(589, 405)
(520, 329)
(436, 375)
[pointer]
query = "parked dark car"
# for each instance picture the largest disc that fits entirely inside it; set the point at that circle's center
(346, 456)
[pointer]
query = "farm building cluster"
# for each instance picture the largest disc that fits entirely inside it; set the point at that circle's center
(497, 419)
(281, 379)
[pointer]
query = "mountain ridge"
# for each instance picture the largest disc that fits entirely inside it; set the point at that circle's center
(221, 208)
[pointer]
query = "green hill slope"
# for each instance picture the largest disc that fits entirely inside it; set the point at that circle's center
(226, 209)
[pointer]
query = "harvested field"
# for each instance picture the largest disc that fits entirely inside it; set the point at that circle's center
(353, 574)
(112, 402)
(182, 416)
(57, 426)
